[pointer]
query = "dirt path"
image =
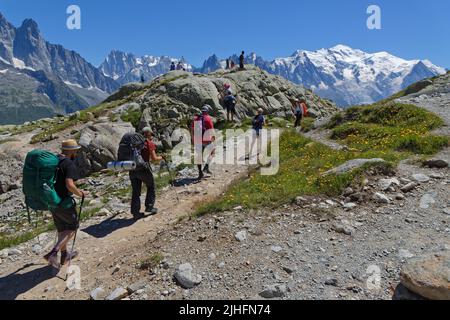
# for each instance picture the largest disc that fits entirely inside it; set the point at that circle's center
(110, 240)
(107, 243)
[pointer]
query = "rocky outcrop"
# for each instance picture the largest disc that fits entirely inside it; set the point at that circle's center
(174, 98)
(428, 276)
(100, 143)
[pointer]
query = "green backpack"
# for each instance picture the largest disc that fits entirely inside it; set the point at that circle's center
(39, 178)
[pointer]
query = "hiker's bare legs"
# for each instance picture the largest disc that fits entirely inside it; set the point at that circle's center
(64, 238)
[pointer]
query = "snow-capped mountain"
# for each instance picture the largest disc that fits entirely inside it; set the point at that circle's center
(345, 75)
(126, 67)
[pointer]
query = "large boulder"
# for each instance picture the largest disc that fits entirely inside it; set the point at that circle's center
(428, 275)
(100, 143)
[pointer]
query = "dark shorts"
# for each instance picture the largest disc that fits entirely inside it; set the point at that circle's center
(231, 109)
(65, 219)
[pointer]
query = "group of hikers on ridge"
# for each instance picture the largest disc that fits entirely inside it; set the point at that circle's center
(178, 66)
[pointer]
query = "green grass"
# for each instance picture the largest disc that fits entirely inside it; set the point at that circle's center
(392, 132)
(132, 116)
(389, 127)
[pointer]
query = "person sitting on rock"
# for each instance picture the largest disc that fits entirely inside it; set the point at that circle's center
(172, 66)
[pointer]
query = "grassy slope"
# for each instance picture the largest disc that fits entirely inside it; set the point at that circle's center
(392, 132)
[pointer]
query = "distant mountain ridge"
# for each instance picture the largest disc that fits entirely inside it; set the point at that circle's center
(345, 75)
(126, 67)
(57, 80)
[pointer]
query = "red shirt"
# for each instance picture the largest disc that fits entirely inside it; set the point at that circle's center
(209, 125)
(148, 148)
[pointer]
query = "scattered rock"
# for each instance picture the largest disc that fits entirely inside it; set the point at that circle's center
(274, 291)
(428, 275)
(289, 269)
(404, 254)
(241, 236)
(36, 249)
(347, 192)
(202, 238)
(104, 212)
(350, 205)
(118, 294)
(344, 228)
(98, 294)
(331, 282)
(436, 163)
(409, 187)
(185, 276)
(447, 211)
(136, 286)
(385, 184)
(400, 196)
(419, 177)
(380, 198)
(276, 249)
(14, 252)
(427, 200)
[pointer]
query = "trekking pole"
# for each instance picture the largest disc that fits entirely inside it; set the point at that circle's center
(76, 232)
(171, 179)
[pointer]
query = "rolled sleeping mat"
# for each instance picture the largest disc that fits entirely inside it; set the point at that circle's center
(122, 165)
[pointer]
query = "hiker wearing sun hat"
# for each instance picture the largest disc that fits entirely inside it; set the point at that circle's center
(65, 216)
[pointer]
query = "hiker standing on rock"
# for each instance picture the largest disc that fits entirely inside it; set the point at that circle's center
(203, 137)
(172, 66)
(65, 219)
(242, 60)
(144, 175)
(230, 105)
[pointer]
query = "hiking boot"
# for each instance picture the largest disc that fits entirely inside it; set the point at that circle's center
(206, 170)
(52, 259)
(151, 210)
(200, 176)
(138, 216)
(65, 256)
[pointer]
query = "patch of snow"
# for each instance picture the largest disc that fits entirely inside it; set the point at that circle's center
(19, 64)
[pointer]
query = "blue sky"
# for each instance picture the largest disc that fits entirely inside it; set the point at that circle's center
(412, 29)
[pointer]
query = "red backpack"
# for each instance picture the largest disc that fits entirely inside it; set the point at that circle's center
(304, 109)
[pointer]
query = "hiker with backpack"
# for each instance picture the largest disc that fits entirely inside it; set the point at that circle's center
(259, 121)
(300, 110)
(64, 215)
(203, 136)
(230, 102)
(135, 147)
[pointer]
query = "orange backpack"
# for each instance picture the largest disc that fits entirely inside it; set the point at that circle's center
(304, 109)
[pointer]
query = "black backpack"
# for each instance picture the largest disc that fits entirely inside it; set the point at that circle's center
(130, 148)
